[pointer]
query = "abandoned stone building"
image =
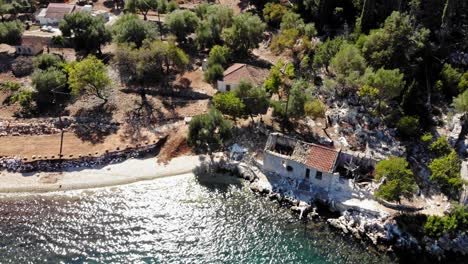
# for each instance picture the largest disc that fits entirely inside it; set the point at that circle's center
(310, 164)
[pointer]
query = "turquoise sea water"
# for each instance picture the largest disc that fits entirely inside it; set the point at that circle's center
(169, 220)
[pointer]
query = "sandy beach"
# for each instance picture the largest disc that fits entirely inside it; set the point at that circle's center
(129, 171)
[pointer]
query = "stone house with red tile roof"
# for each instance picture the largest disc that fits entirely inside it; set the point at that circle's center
(298, 160)
(241, 72)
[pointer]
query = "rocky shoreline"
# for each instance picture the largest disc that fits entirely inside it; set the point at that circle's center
(382, 232)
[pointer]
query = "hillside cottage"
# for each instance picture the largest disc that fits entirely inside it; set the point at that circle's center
(55, 12)
(241, 72)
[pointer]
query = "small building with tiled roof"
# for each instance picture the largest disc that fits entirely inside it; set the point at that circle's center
(55, 12)
(241, 72)
(300, 160)
(31, 45)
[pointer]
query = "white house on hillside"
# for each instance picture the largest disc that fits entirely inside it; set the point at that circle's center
(241, 72)
(55, 12)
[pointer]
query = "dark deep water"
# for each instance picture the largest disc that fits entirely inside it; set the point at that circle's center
(168, 220)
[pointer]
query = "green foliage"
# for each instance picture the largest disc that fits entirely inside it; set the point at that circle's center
(285, 40)
(219, 55)
(143, 6)
(450, 78)
(130, 29)
(297, 99)
(367, 91)
(446, 173)
(349, 65)
(456, 220)
(214, 19)
(10, 32)
(273, 13)
(326, 51)
(390, 83)
(440, 147)
(229, 104)
(426, 138)
(244, 34)
(256, 100)
(292, 29)
(182, 23)
(45, 82)
(25, 98)
(463, 84)
(208, 132)
(58, 40)
(10, 86)
(291, 20)
(150, 63)
(273, 82)
(46, 61)
(398, 41)
(408, 126)
(460, 103)
(315, 109)
(399, 179)
(86, 31)
(213, 73)
(279, 109)
(90, 76)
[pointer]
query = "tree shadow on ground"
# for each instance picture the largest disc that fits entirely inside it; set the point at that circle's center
(144, 116)
(95, 124)
(214, 179)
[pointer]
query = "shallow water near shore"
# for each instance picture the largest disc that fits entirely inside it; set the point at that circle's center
(168, 220)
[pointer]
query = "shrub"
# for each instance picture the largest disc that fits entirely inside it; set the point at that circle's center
(45, 82)
(22, 66)
(58, 40)
(10, 86)
(426, 138)
(446, 173)
(456, 220)
(213, 73)
(25, 98)
(279, 109)
(314, 108)
(10, 32)
(229, 104)
(45, 61)
(408, 126)
(440, 147)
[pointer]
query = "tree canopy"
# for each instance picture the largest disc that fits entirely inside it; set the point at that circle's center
(130, 29)
(208, 132)
(398, 179)
(182, 23)
(245, 33)
(89, 76)
(87, 32)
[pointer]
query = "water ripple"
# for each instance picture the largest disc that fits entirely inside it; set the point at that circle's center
(170, 220)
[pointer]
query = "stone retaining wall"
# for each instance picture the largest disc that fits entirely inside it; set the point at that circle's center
(19, 165)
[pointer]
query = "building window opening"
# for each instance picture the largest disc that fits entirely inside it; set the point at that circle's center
(307, 174)
(289, 168)
(228, 87)
(318, 176)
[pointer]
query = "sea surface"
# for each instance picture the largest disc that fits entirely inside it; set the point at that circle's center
(169, 220)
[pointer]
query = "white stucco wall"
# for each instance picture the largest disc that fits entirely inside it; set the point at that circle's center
(278, 164)
(221, 86)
